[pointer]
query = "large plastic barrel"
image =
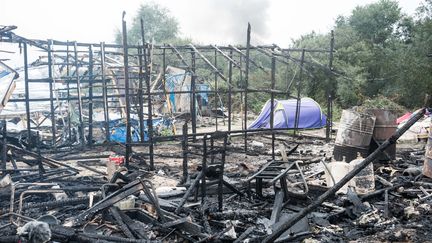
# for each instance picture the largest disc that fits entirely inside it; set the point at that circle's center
(385, 126)
(427, 167)
(354, 135)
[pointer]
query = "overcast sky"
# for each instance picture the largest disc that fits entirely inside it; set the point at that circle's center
(205, 21)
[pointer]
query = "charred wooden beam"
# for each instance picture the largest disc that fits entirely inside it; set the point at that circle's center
(127, 98)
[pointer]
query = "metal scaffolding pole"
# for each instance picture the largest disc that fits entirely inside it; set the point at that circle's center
(27, 93)
(50, 77)
(150, 122)
(246, 84)
(230, 91)
(298, 105)
(126, 81)
(90, 74)
(185, 151)
(105, 92)
(216, 89)
(4, 145)
(80, 114)
(68, 91)
(193, 96)
(329, 94)
(273, 82)
(149, 103)
(140, 93)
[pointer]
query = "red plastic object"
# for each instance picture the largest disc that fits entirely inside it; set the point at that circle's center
(118, 160)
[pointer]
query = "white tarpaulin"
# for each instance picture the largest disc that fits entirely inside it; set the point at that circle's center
(7, 85)
(37, 91)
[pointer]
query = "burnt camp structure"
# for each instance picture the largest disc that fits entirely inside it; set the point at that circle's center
(147, 142)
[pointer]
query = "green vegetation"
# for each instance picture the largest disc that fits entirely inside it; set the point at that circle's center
(382, 102)
(382, 58)
(159, 26)
(381, 54)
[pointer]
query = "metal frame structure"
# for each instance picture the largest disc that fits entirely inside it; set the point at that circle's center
(106, 77)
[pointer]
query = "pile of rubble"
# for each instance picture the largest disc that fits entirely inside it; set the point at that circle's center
(86, 195)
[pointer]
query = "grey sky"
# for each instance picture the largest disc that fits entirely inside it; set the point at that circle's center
(205, 21)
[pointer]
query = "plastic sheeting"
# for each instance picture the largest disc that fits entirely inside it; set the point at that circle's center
(118, 129)
(178, 80)
(7, 86)
(311, 115)
(37, 91)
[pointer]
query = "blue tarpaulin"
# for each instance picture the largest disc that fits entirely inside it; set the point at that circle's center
(310, 115)
(181, 82)
(3, 73)
(118, 129)
(204, 95)
(175, 83)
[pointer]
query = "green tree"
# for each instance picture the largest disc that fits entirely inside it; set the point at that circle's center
(159, 26)
(375, 22)
(414, 68)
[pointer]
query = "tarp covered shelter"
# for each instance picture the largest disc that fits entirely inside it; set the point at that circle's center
(178, 80)
(311, 115)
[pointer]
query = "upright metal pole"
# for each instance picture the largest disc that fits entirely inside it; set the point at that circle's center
(105, 93)
(220, 184)
(50, 77)
(140, 92)
(126, 79)
(80, 115)
(166, 96)
(193, 97)
(185, 151)
(39, 157)
(163, 69)
(216, 89)
(230, 90)
(299, 83)
(142, 55)
(149, 100)
(68, 90)
(27, 93)
(150, 120)
(246, 85)
(329, 117)
(204, 170)
(163, 65)
(273, 82)
(329, 95)
(4, 146)
(90, 75)
(240, 86)
(331, 50)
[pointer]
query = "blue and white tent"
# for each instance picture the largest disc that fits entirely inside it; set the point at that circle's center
(310, 116)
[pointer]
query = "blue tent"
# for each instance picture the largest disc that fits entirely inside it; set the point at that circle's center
(311, 115)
